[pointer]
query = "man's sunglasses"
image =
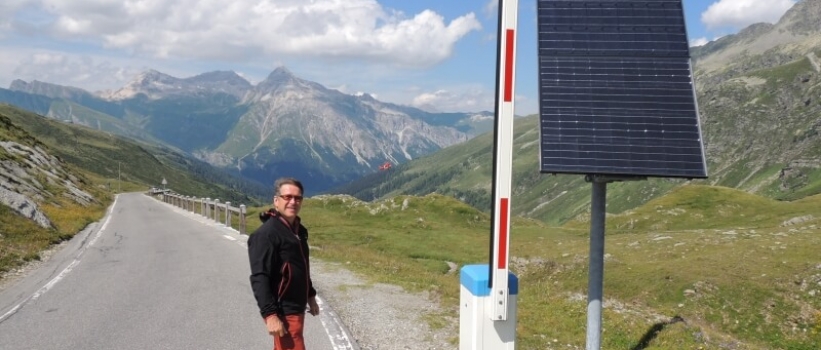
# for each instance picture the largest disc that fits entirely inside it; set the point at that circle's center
(289, 197)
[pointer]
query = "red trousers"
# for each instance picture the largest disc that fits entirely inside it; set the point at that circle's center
(293, 340)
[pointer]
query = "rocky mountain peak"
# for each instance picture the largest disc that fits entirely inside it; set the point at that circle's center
(227, 77)
(281, 82)
(803, 18)
(364, 96)
(157, 85)
(281, 72)
(152, 76)
(795, 35)
(228, 82)
(18, 85)
(279, 77)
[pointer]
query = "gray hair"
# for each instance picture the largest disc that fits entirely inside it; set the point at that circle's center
(287, 181)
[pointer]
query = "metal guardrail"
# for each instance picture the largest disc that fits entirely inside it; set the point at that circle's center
(207, 207)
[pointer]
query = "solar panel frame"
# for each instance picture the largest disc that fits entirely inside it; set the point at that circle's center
(616, 90)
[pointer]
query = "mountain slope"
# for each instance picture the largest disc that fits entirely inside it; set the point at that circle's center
(108, 157)
(464, 171)
(758, 93)
(300, 128)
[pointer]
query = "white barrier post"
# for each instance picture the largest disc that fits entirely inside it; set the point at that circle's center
(227, 214)
(488, 295)
(242, 219)
(477, 331)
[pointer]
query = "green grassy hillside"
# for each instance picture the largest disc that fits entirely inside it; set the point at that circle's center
(464, 172)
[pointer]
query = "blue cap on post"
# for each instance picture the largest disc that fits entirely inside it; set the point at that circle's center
(475, 277)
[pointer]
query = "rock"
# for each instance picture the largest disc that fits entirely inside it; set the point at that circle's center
(24, 207)
(797, 220)
(452, 267)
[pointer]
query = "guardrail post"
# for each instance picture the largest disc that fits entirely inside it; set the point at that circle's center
(207, 211)
(242, 219)
(227, 214)
(216, 210)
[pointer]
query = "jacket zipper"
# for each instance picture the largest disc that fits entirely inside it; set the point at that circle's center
(295, 231)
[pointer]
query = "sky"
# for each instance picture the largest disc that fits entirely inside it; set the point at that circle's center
(435, 54)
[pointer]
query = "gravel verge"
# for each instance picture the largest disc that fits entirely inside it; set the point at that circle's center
(381, 316)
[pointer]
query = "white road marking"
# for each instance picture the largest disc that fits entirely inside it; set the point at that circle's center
(229, 238)
(65, 271)
(339, 341)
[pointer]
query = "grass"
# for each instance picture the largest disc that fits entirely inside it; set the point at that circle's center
(22, 240)
(719, 259)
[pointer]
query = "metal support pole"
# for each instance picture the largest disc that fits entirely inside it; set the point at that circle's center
(596, 277)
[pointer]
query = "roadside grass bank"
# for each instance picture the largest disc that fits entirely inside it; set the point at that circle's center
(22, 240)
(701, 268)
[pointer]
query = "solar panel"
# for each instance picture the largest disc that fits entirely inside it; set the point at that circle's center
(616, 92)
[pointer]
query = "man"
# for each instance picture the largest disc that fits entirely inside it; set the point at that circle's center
(280, 271)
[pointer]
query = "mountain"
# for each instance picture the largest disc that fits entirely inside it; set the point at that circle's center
(760, 109)
(758, 94)
(303, 129)
(282, 126)
(155, 85)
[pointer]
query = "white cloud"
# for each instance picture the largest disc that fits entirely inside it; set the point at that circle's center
(7, 9)
(240, 30)
(699, 42)
(738, 14)
(472, 99)
(80, 71)
(491, 7)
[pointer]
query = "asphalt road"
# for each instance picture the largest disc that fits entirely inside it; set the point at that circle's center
(148, 276)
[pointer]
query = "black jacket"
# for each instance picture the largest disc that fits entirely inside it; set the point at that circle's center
(280, 271)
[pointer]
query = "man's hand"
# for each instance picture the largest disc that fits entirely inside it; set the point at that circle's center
(313, 307)
(275, 326)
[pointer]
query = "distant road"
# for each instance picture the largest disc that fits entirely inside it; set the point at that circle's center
(149, 276)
